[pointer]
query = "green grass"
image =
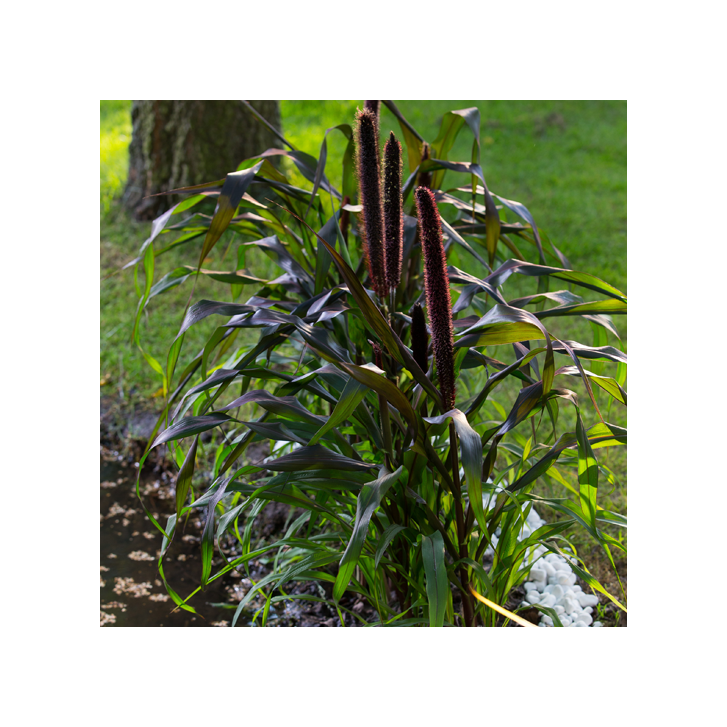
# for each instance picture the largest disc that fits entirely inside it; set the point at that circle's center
(115, 138)
(122, 365)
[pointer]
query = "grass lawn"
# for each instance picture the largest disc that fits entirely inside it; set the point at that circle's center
(564, 160)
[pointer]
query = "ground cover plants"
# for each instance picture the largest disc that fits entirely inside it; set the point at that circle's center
(407, 363)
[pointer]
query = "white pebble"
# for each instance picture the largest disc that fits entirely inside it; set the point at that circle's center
(537, 575)
(597, 623)
(586, 600)
(569, 605)
(588, 609)
(532, 596)
(558, 592)
(529, 586)
(548, 600)
(561, 565)
(552, 557)
(566, 620)
(546, 619)
(585, 618)
(559, 609)
(548, 568)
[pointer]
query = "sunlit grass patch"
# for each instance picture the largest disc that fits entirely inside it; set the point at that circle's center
(115, 139)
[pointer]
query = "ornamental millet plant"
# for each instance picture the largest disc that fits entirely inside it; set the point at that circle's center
(439, 308)
(365, 441)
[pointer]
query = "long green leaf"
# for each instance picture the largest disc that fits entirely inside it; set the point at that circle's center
(510, 325)
(585, 280)
(385, 540)
(316, 457)
(235, 185)
(184, 477)
(368, 501)
(189, 426)
(587, 473)
(285, 406)
(607, 383)
(435, 572)
(471, 449)
(351, 397)
(373, 378)
(611, 307)
(208, 534)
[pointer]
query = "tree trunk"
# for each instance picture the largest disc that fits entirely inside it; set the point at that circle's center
(182, 143)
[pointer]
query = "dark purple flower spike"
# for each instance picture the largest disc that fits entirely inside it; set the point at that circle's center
(393, 219)
(373, 106)
(369, 186)
(436, 283)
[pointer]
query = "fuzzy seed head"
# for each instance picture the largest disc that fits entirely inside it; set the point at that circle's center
(369, 186)
(419, 337)
(436, 283)
(393, 219)
(373, 106)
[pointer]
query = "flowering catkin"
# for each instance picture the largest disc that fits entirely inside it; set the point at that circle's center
(393, 220)
(373, 106)
(436, 283)
(369, 186)
(419, 337)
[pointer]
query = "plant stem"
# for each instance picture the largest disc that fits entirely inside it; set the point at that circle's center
(457, 491)
(386, 430)
(491, 526)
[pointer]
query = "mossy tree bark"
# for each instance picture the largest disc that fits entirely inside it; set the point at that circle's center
(181, 143)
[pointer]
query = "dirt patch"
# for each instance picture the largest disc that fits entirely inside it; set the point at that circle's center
(132, 591)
